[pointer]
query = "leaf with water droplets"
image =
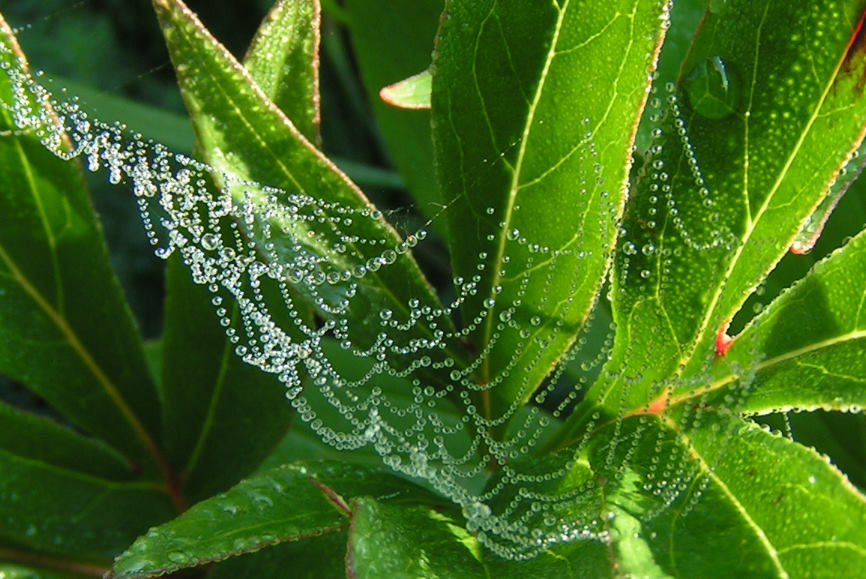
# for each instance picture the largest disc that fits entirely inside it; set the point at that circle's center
(328, 241)
(289, 503)
(209, 393)
(802, 512)
(533, 143)
(58, 510)
(65, 329)
(811, 339)
(396, 541)
(284, 60)
(731, 176)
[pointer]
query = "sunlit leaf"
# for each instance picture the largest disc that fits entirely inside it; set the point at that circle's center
(533, 144)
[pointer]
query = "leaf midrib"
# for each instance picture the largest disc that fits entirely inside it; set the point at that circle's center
(710, 472)
(752, 224)
(514, 186)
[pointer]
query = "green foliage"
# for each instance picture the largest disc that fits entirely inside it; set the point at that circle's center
(582, 161)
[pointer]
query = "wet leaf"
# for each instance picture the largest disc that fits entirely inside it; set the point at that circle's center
(222, 415)
(812, 336)
(244, 135)
(284, 61)
(290, 503)
(802, 512)
(534, 113)
(710, 216)
(63, 511)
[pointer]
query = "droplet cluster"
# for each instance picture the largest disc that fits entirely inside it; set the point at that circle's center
(372, 370)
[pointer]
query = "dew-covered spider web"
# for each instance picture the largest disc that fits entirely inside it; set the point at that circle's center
(308, 277)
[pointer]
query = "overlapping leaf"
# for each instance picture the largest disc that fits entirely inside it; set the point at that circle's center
(290, 503)
(534, 112)
(812, 337)
(65, 329)
(242, 133)
(209, 393)
(761, 122)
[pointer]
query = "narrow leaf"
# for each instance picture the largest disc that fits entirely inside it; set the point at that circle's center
(222, 416)
(284, 61)
(243, 135)
(43, 440)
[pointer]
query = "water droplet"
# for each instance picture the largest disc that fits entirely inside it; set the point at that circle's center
(713, 89)
(209, 241)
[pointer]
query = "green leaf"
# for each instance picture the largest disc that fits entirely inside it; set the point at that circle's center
(701, 493)
(29, 570)
(416, 541)
(399, 541)
(393, 40)
(284, 61)
(532, 143)
(812, 336)
(710, 216)
(410, 93)
(243, 134)
(802, 511)
(42, 440)
(58, 510)
(290, 503)
(319, 557)
(222, 415)
(65, 329)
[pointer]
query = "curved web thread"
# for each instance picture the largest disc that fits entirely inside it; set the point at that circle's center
(394, 379)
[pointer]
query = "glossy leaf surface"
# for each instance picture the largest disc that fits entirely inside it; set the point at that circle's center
(534, 112)
(209, 393)
(290, 503)
(710, 216)
(242, 133)
(284, 61)
(813, 336)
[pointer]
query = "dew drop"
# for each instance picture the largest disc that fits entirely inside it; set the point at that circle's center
(713, 89)
(209, 241)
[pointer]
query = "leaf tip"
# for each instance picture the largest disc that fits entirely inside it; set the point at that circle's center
(409, 93)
